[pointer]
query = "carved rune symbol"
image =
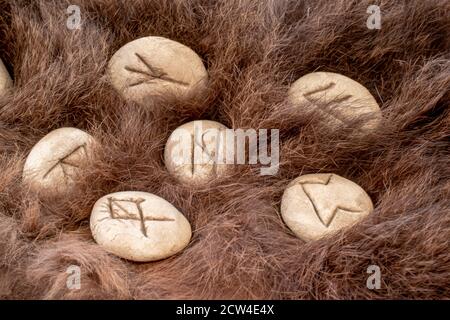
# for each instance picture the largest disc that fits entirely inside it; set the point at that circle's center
(131, 209)
(325, 108)
(211, 154)
(71, 160)
(326, 218)
(151, 74)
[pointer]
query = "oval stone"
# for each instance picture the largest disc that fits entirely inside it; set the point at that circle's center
(56, 159)
(195, 152)
(139, 226)
(337, 98)
(154, 65)
(315, 205)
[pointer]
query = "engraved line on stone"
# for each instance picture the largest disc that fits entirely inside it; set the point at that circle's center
(201, 145)
(63, 161)
(343, 98)
(132, 69)
(129, 216)
(310, 198)
(158, 73)
(327, 181)
(103, 219)
(111, 211)
(320, 89)
(316, 210)
(338, 207)
(313, 205)
(155, 73)
(138, 83)
(327, 109)
(141, 216)
(210, 155)
(193, 154)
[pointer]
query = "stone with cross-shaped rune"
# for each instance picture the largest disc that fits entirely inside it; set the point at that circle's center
(315, 205)
(150, 66)
(139, 226)
(55, 161)
(337, 100)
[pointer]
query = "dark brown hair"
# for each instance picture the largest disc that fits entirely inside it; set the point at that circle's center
(253, 51)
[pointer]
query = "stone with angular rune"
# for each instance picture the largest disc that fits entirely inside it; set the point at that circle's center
(337, 99)
(139, 226)
(195, 152)
(5, 79)
(151, 66)
(56, 159)
(315, 205)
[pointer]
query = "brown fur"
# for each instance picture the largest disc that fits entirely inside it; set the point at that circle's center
(253, 51)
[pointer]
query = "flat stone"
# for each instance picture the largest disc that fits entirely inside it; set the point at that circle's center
(337, 98)
(154, 65)
(139, 226)
(56, 159)
(192, 151)
(316, 205)
(5, 79)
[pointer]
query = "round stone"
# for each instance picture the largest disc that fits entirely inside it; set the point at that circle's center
(337, 98)
(154, 65)
(56, 159)
(139, 226)
(315, 205)
(5, 79)
(195, 152)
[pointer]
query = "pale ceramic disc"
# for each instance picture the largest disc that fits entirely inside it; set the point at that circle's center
(192, 152)
(150, 66)
(139, 226)
(339, 99)
(56, 159)
(315, 205)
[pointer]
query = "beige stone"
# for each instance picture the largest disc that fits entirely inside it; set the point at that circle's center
(139, 226)
(315, 205)
(55, 160)
(337, 98)
(5, 79)
(192, 152)
(154, 65)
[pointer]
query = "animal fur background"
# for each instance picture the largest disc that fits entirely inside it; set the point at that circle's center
(253, 51)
